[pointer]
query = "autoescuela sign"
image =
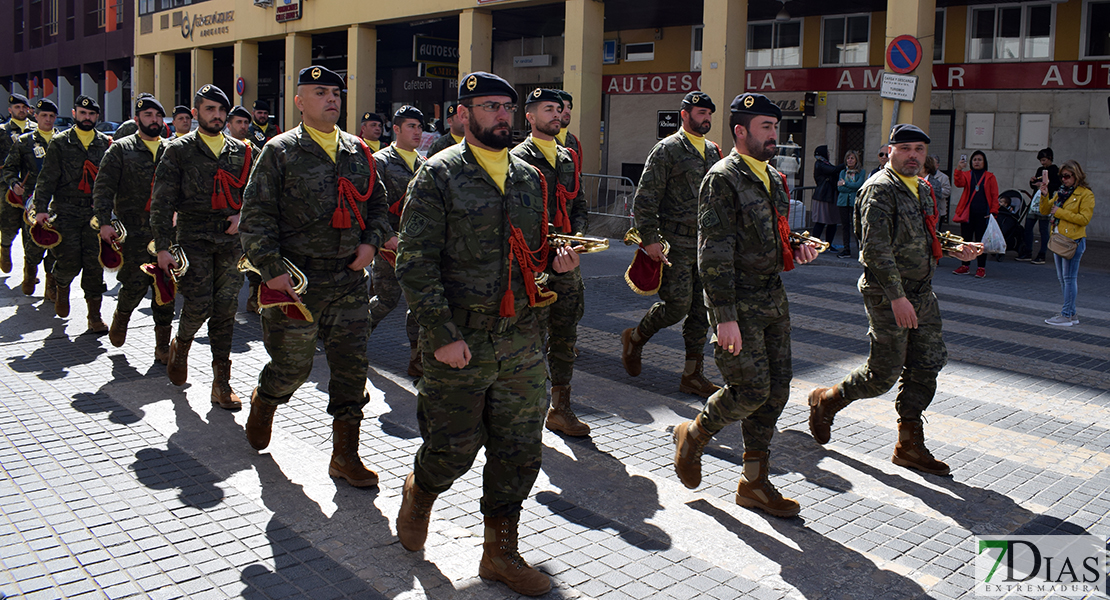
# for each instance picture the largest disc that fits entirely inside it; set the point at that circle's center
(435, 50)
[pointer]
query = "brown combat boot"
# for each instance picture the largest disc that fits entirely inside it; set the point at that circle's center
(61, 301)
(30, 278)
(755, 489)
(910, 451)
(632, 351)
(693, 381)
(96, 324)
(824, 403)
(221, 386)
(690, 439)
(51, 291)
(561, 417)
(260, 422)
(345, 462)
(161, 343)
(117, 333)
(6, 259)
(177, 369)
(501, 561)
(416, 361)
(416, 512)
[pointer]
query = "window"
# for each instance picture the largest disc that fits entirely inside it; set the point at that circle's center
(844, 40)
(1097, 30)
(639, 52)
(695, 48)
(51, 18)
(1011, 33)
(774, 44)
(17, 22)
(938, 37)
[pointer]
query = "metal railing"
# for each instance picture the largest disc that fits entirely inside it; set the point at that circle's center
(609, 195)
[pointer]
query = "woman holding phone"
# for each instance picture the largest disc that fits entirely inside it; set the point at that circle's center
(977, 203)
(1069, 211)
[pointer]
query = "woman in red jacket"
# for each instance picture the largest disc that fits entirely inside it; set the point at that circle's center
(978, 202)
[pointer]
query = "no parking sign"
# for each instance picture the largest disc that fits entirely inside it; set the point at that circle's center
(903, 54)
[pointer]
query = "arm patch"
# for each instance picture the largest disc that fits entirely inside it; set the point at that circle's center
(415, 224)
(709, 218)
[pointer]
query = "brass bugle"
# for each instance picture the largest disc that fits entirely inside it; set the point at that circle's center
(579, 243)
(950, 242)
(178, 254)
(30, 213)
(632, 238)
(117, 225)
(296, 276)
(804, 237)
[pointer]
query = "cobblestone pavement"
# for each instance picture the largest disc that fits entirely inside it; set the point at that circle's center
(117, 484)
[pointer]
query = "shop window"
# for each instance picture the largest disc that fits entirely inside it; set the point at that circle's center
(1097, 30)
(844, 40)
(774, 44)
(1011, 33)
(938, 37)
(695, 47)
(639, 52)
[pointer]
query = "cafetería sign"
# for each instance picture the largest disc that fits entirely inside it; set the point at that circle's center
(206, 25)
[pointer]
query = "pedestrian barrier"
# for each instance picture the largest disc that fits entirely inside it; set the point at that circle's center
(609, 198)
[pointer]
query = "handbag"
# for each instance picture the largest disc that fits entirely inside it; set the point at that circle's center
(1062, 245)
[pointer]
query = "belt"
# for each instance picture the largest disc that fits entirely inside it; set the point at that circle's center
(912, 286)
(202, 226)
(308, 263)
(474, 320)
(679, 229)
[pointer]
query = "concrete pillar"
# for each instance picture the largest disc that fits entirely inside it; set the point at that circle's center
(113, 98)
(916, 18)
(298, 55)
(89, 86)
(65, 95)
(362, 73)
(724, 47)
(142, 76)
(164, 86)
(584, 38)
(246, 66)
(201, 59)
(17, 88)
(475, 41)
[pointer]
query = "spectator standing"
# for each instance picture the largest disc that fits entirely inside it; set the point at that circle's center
(1069, 209)
(851, 180)
(825, 215)
(882, 161)
(942, 186)
(977, 203)
(1036, 219)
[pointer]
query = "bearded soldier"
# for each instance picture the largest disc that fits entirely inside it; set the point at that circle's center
(565, 137)
(11, 216)
(261, 130)
(21, 172)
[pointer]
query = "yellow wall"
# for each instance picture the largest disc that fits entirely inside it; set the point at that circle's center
(672, 53)
(876, 47)
(1069, 18)
(955, 34)
(811, 42)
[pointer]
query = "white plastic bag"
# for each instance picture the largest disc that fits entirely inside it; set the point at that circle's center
(993, 240)
(1035, 204)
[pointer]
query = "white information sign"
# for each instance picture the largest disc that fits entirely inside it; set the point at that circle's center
(898, 87)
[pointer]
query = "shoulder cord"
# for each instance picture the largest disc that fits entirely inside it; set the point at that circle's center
(562, 195)
(531, 261)
(341, 218)
(224, 182)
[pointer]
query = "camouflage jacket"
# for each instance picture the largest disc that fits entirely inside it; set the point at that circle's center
(185, 181)
(530, 153)
(124, 183)
(25, 160)
(666, 202)
(63, 169)
(9, 134)
(454, 242)
(572, 143)
(739, 247)
(128, 127)
(259, 137)
(293, 193)
(394, 172)
(896, 248)
(442, 142)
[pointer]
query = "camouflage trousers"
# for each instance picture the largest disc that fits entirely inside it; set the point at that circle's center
(680, 296)
(387, 292)
(757, 381)
(134, 284)
(78, 252)
(211, 291)
(499, 400)
(910, 357)
(561, 322)
(11, 220)
(337, 301)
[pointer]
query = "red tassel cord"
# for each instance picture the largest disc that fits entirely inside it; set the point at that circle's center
(88, 176)
(530, 261)
(931, 223)
(224, 182)
(348, 195)
(783, 226)
(562, 195)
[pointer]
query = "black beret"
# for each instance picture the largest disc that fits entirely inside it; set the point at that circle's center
(45, 105)
(408, 111)
(452, 109)
(317, 75)
(262, 105)
(907, 132)
(239, 111)
(15, 99)
(544, 95)
(567, 98)
(700, 100)
(370, 116)
(480, 83)
(86, 103)
(146, 101)
(755, 104)
(182, 110)
(215, 94)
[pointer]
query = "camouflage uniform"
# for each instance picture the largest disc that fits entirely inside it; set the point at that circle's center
(11, 218)
(58, 191)
(394, 172)
(25, 160)
(666, 208)
(896, 253)
(454, 267)
(442, 142)
(287, 213)
(183, 183)
(128, 127)
(571, 144)
(561, 318)
(260, 137)
(123, 187)
(739, 258)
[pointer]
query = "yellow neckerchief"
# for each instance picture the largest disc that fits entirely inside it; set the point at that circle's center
(86, 137)
(457, 138)
(495, 162)
(911, 182)
(375, 145)
(154, 145)
(408, 155)
(699, 145)
(261, 126)
(328, 140)
(22, 124)
(562, 136)
(215, 143)
(548, 149)
(47, 135)
(759, 169)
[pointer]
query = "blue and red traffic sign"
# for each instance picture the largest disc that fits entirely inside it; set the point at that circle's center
(903, 54)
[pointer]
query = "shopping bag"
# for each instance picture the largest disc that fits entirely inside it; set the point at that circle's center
(993, 240)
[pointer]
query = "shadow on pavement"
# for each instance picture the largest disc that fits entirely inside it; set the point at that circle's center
(57, 353)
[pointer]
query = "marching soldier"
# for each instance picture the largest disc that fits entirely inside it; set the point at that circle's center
(261, 129)
(743, 245)
(567, 210)
(64, 189)
(473, 238)
(397, 163)
(130, 126)
(123, 190)
(238, 127)
(895, 221)
(565, 137)
(666, 209)
(314, 202)
(370, 130)
(201, 177)
(454, 134)
(21, 171)
(182, 121)
(11, 216)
